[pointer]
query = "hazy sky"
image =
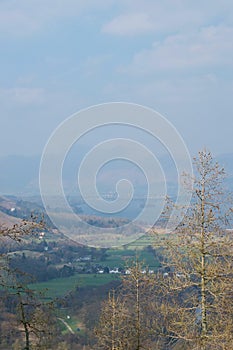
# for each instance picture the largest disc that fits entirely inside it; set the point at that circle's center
(58, 56)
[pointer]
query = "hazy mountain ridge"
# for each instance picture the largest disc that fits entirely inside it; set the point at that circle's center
(19, 175)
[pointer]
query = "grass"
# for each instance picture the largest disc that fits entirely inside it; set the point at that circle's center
(119, 257)
(59, 287)
(142, 242)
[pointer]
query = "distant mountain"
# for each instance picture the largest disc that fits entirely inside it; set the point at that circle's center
(19, 175)
(12, 206)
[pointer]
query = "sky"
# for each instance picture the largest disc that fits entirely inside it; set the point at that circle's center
(59, 56)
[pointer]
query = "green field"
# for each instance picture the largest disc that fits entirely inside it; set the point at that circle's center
(121, 257)
(59, 287)
(142, 242)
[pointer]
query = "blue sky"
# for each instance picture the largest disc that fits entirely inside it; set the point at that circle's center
(57, 57)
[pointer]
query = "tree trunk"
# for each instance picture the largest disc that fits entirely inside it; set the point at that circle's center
(203, 270)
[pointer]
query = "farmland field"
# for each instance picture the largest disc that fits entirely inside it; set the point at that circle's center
(59, 287)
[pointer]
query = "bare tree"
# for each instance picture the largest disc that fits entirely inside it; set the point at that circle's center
(31, 315)
(112, 324)
(127, 316)
(197, 285)
(34, 318)
(22, 228)
(138, 289)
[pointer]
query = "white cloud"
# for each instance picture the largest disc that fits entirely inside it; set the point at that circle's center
(28, 16)
(24, 96)
(129, 24)
(207, 47)
(161, 20)
(167, 16)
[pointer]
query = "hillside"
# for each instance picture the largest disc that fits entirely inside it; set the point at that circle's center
(7, 220)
